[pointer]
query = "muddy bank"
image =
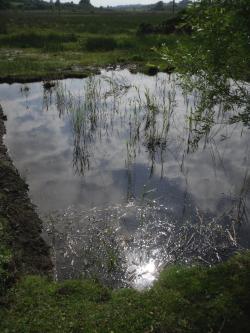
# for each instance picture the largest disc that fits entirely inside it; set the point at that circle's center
(20, 224)
(81, 72)
(76, 72)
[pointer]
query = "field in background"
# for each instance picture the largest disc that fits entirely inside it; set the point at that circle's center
(40, 43)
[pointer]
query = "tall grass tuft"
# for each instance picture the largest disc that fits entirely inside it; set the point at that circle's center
(100, 44)
(36, 39)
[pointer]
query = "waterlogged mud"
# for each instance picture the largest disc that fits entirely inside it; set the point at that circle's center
(19, 222)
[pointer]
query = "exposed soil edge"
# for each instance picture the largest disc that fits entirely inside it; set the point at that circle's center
(22, 226)
(83, 73)
(10, 79)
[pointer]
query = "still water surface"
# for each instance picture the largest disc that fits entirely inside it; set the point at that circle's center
(125, 176)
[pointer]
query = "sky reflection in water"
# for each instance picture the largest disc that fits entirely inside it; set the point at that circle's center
(130, 151)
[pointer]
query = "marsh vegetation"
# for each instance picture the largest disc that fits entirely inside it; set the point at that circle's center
(45, 44)
(136, 177)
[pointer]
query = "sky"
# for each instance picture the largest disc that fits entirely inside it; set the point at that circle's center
(104, 3)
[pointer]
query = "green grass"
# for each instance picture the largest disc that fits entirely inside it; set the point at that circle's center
(35, 39)
(43, 44)
(5, 256)
(194, 299)
(101, 44)
(79, 22)
(52, 59)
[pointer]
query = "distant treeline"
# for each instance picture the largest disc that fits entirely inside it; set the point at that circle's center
(40, 4)
(86, 5)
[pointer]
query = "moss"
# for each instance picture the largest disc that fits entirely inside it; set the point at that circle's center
(4, 164)
(184, 299)
(6, 257)
(82, 289)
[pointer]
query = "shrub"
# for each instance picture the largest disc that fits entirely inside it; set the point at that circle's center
(100, 44)
(145, 29)
(137, 57)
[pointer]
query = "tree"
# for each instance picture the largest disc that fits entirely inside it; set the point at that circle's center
(58, 6)
(217, 57)
(220, 38)
(159, 6)
(85, 4)
(4, 4)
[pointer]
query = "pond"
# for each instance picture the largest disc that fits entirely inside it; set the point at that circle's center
(126, 176)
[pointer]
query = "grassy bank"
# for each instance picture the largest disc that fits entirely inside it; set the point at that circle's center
(54, 45)
(192, 299)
